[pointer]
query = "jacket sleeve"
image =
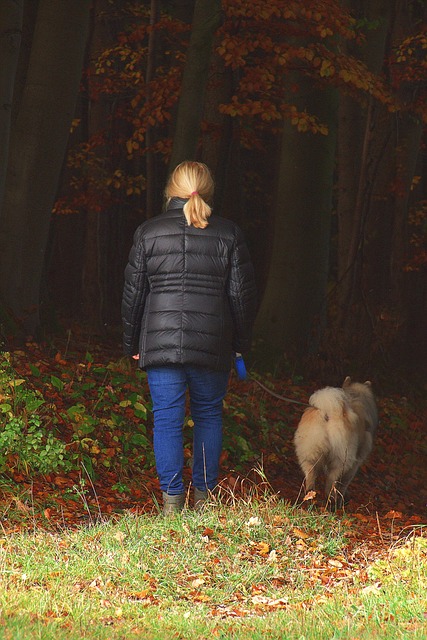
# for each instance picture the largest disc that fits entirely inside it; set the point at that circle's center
(242, 294)
(135, 291)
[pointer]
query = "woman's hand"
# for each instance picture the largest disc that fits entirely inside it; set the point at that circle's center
(136, 357)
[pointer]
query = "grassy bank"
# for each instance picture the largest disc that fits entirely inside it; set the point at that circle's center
(252, 569)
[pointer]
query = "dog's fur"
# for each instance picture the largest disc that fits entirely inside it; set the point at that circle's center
(335, 436)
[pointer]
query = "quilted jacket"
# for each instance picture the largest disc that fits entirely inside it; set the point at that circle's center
(189, 295)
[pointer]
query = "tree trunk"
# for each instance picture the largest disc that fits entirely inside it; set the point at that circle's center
(11, 12)
(377, 156)
(190, 108)
(98, 112)
(217, 137)
(294, 298)
(150, 192)
(358, 157)
(407, 348)
(37, 147)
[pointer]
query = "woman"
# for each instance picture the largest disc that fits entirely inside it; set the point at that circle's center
(189, 304)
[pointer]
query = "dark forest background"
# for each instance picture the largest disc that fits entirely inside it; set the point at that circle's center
(311, 116)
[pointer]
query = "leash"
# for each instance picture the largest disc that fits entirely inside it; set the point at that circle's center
(242, 375)
(276, 395)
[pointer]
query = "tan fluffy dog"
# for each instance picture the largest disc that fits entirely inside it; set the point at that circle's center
(335, 436)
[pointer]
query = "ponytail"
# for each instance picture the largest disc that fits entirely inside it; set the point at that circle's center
(193, 181)
(197, 211)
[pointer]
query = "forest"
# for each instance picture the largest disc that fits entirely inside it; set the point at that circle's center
(311, 116)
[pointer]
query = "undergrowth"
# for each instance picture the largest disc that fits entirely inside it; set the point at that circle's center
(26, 422)
(73, 415)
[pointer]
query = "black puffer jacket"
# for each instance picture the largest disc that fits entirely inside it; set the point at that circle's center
(189, 295)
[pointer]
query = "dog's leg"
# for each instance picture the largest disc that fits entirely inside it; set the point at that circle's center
(344, 482)
(333, 489)
(310, 470)
(310, 480)
(365, 447)
(337, 484)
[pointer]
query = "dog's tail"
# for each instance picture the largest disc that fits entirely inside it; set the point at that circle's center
(340, 423)
(332, 402)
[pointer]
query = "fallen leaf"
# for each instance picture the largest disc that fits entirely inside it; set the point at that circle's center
(263, 548)
(393, 515)
(200, 597)
(335, 563)
(299, 533)
(272, 556)
(120, 536)
(197, 583)
(16, 383)
(21, 506)
(309, 496)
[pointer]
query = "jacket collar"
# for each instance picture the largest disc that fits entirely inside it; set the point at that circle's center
(176, 203)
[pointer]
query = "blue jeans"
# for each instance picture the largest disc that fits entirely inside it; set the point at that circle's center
(207, 388)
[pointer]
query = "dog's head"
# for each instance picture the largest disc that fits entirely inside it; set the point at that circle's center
(362, 400)
(348, 383)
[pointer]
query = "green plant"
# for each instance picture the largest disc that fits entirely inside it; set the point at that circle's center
(120, 487)
(26, 442)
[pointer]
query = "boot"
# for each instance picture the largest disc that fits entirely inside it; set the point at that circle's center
(200, 498)
(172, 504)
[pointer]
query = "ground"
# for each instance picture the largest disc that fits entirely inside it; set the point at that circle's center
(387, 497)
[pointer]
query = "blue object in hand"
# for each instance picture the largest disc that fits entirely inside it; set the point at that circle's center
(240, 366)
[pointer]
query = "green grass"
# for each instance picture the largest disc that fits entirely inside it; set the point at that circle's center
(253, 569)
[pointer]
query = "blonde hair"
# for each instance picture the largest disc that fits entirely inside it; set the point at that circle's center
(194, 181)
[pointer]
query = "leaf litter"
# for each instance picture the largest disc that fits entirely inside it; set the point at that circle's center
(100, 397)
